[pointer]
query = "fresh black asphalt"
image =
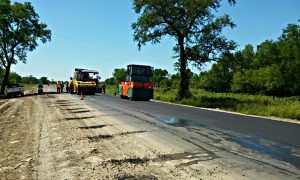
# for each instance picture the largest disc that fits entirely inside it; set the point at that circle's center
(262, 128)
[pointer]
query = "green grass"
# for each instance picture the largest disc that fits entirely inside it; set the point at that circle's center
(111, 89)
(29, 86)
(243, 103)
(287, 107)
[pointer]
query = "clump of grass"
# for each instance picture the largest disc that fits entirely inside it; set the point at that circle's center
(111, 89)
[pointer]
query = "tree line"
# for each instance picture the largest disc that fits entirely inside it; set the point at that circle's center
(273, 68)
(15, 79)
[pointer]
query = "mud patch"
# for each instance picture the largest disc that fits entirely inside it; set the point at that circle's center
(276, 152)
(62, 101)
(99, 138)
(103, 137)
(79, 118)
(120, 162)
(143, 177)
(133, 132)
(93, 127)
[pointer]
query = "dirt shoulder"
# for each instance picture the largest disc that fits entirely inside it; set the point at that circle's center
(19, 134)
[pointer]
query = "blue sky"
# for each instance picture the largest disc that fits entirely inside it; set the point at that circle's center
(96, 34)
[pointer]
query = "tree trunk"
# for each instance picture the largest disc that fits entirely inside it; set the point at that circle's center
(5, 78)
(184, 81)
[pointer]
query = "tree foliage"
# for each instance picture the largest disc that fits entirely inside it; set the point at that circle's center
(158, 75)
(30, 80)
(44, 80)
(192, 23)
(274, 69)
(20, 32)
(118, 76)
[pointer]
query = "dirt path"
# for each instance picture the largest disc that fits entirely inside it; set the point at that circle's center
(57, 137)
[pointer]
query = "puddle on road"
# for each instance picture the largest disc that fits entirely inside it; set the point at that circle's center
(275, 152)
(179, 122)
(254, 144)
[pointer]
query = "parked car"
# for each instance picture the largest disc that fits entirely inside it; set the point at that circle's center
(40, 89)
(14, 90)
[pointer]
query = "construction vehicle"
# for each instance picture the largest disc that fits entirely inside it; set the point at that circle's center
(84, 81)
(137, 85)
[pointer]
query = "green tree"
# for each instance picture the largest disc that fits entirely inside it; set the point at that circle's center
(30, 80)
(175, 78)
(14, 78)
(243, 82)
(44, 80)
(110, 81)
(289, 46)
(192, 23)
(119, 75)
(218, 79)
(267, 54)
(158, 75)
(166, 83)
(20, 31)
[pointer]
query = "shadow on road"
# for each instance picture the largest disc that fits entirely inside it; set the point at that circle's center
(92, 127)
(79, 118)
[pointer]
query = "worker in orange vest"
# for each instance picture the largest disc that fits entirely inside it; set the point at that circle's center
(58, 87)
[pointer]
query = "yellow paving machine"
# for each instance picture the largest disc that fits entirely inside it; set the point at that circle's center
(84, 81)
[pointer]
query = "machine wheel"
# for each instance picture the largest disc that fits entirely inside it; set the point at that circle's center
(78, 92)
(71, 90)
(122, 97)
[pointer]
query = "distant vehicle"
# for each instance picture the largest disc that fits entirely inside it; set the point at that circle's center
(137, 85)
(13, 90)
(40, 89)
(84, 81)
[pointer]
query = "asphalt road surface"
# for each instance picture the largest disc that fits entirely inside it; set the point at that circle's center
(278, 141)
